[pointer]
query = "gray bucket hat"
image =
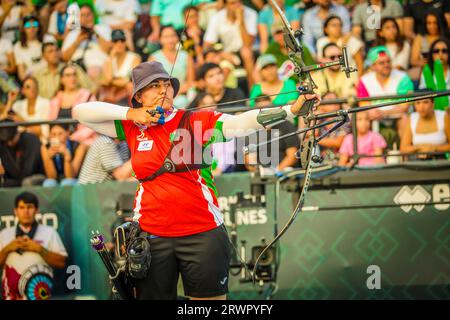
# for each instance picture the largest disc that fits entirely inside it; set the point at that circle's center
(147, 72)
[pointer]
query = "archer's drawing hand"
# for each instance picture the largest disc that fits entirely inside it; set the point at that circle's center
(142, 116)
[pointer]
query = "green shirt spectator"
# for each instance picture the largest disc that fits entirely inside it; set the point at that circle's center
(282, 98)
(170, 12)
(282, 92)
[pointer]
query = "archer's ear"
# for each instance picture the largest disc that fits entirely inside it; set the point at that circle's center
(138, 97)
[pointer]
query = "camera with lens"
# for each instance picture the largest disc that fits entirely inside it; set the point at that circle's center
(87, 30)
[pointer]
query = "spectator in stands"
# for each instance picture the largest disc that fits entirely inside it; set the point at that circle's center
(89, 45)
(48, 75)
(416, 12)
(390, 37)
(192, 39)
(214, 84)
(281, 92)
(180, 64)
(28, 51)
(226, 61)
(383, 79)
(107, 159)
(11, 13)
(116, 81)
(7, 62)
(369, 144)
(333, 79)
(436, 74)
(32, 108)
(270, 156)
(167, 12)
(435, 28)
(119, 15)
(329, 146)
(70, 94)
(363, 14)
(29, 247)
(314, 18)
(426, 130)
(236, 28)
(62, 157)
(58, 20)
(332, 29)
(21, 162)
(277, 48)
(267, 17)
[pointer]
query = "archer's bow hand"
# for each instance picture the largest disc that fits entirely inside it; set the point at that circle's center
(298, 104)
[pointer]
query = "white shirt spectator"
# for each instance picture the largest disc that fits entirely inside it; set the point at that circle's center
(102, 158)
(434, 138)
(94, 55)
(399, 58)
(42, 107)
(18, 264)
(5, 48)
(30, 56)
(11, 23)
(114, 12)
(223, 30)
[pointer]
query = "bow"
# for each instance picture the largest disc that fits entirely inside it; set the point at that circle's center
(309, 143)
(307, 86)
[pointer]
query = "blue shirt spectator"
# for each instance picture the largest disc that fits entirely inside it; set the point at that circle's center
(314, 18)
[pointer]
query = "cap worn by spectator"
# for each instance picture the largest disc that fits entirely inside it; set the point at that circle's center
(117, 35)
(265, 60)
(375, 53)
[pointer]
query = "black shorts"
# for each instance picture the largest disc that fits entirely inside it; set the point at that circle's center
(202, 260)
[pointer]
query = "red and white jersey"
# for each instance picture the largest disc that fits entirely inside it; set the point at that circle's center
(20, 269)
(173, 204)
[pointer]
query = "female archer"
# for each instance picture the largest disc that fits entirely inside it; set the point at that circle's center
(176, 202)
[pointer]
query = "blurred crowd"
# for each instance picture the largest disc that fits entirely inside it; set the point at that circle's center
(56, 54)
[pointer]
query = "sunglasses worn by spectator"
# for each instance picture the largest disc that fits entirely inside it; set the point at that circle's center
(119, 40)
(440, 51)
(72, 74)
(31, 24)
(334, 57)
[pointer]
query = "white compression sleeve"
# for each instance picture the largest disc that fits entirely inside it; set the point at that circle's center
(235, 126)
(100, 116)
(99, 112)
